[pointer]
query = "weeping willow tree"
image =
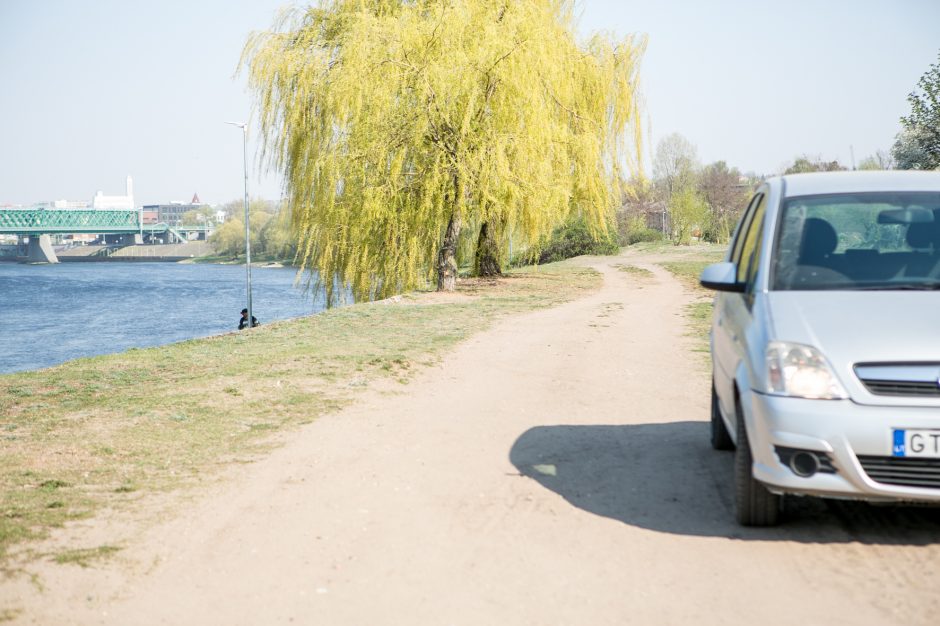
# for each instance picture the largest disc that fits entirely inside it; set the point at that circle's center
(403, 125)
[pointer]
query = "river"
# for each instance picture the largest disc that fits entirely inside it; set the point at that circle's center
(54, 313)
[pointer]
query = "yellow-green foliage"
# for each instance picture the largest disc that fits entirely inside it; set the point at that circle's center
(390, 118)
(688, 212)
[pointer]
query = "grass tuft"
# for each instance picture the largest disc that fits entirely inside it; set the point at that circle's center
(633, 270)
(52, 485)
(83, 557)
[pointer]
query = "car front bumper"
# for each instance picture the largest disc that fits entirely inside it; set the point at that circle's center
(841, 429)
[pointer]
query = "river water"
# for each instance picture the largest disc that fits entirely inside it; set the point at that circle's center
(53, 313)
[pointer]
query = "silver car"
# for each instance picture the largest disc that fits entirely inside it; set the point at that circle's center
(825, 341)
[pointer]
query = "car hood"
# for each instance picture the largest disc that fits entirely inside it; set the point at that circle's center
(860, 326)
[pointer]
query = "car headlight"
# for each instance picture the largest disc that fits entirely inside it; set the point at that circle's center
(800, 371)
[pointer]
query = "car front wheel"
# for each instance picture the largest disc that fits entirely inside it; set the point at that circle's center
(755, 505)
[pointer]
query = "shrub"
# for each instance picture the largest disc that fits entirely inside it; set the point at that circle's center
(574, 239)
(632, 229)
(636, 231)
(643, 234)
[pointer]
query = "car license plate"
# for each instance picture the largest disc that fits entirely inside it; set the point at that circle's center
(916, 443)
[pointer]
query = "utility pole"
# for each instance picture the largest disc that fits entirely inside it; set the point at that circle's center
(244, 127)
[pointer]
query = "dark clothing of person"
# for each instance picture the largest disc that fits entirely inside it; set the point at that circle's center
(243, 322)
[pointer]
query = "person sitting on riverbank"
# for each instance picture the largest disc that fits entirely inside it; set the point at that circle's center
(243, 322)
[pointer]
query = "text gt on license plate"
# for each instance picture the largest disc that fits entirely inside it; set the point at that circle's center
(924, 443)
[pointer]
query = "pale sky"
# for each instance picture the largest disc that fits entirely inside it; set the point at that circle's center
(95, 90)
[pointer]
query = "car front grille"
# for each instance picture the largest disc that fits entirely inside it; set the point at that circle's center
(906, 472)
(902, 388)
(910, 380)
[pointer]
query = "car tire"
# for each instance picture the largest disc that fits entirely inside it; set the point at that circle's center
(754, 504)
(721, 439)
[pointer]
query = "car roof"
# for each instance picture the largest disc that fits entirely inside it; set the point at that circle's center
(855, 182)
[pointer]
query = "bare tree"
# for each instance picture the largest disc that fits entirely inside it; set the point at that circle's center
(675, 165)
(641, 211)
(675, 172)
(726, 193)
(881, 160)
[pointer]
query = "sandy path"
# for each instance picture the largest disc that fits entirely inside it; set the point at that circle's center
(555, 470)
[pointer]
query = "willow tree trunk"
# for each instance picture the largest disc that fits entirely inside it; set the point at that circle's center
(486, 261)
(447, 257)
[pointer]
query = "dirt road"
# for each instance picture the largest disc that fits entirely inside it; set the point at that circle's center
(554, 470)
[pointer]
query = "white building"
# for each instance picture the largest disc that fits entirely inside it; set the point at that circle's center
(69, 204)
(125, 202)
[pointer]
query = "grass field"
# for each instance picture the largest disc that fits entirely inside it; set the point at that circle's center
(103, 432)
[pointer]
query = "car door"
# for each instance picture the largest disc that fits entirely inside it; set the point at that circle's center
(733, 310)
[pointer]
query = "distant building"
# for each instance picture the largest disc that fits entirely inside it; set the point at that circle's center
(125, 202)
(172, 212)
(55, 204)
(69, 204)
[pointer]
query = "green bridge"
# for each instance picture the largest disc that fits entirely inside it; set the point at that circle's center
(38, 223)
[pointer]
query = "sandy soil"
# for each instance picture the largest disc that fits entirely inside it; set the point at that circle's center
(554, 470)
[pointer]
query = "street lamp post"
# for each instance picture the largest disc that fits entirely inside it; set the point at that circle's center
(244, 128)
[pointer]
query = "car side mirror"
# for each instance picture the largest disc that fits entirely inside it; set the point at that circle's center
(721, 277)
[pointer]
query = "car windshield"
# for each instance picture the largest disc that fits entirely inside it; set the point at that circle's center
(858, 241)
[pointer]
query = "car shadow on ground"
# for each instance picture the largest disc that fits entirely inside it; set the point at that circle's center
(666, 477)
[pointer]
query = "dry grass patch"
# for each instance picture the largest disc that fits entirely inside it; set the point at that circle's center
(637, 272)
(84, 557)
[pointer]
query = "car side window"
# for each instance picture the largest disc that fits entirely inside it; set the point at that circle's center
(755, 259)
(750, 250)
(750, 238)
(742, 230)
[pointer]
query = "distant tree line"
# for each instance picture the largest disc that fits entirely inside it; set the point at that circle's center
(271, 236)
(684, 200)
(916, 147)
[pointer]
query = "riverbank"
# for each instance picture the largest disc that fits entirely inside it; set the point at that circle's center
(107, 432)
(173, 252)
(190, 252)
(260, 260)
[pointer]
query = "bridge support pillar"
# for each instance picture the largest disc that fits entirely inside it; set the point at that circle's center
(40, 250)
